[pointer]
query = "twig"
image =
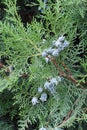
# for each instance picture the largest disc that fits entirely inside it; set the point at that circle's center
(1, 65)
(70, 77)
(66, 118)
(70, 112)
(61, 73)
(66, 68)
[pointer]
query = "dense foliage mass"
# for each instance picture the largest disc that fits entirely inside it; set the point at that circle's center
(43, 64)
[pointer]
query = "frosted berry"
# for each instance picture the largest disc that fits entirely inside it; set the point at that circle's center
(55, 52)
(43, 97)
(61, 38)
(40, 89)
(34, 100)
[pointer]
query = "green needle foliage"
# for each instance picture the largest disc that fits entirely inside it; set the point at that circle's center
(21, 48)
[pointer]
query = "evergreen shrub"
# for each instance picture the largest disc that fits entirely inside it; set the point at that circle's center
(45, 63)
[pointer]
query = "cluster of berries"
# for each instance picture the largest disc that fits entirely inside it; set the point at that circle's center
(42, 98)
(50, 86)
(57, 47)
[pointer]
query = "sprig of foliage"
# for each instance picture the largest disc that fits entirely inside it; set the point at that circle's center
(24, 47)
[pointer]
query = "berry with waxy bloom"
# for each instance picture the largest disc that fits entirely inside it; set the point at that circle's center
(55, 52)
(40, 89)
(34, 100)
(47, 59)
(54, 81)
(56, 48)
(57, 43)
(61, 38)
(46, 85)
(50, 86)
(50, 50)
(44, 53)
(43, 97)
(66, 43)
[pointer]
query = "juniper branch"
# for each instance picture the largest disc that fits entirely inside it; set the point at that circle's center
(61, 73)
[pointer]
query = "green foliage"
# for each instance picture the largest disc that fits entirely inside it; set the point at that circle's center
(6, 104)
(5, 126)
(24, 45)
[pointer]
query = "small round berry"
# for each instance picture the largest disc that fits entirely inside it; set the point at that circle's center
(55, 52)
(44, 53)
(54, 81)
(46, 85)
(40, 89)
(47, 59)
(50, 86)
(50, 50)
(66, 43)
(34, 100)
(57, 43)
(61, 38)
(43, 97)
